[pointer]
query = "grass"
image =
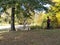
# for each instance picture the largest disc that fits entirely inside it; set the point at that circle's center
(32, 37)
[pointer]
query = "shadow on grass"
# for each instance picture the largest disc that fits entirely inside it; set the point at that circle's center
(31, 37)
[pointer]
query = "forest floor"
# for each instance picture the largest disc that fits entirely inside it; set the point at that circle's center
(31, 37)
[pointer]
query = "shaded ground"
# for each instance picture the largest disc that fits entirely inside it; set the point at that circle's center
(33, 37)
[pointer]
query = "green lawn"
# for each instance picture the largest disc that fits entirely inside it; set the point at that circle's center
(33, 37)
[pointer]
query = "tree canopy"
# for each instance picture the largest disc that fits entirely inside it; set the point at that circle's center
(23, 6)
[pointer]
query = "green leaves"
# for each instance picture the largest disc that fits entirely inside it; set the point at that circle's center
(30, 5)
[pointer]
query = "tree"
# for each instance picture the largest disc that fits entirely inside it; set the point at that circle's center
(15, 5)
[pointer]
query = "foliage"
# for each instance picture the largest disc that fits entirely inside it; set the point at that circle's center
(23, 8)
(36, 27)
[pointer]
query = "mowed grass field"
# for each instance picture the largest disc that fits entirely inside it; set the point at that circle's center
(32, 37)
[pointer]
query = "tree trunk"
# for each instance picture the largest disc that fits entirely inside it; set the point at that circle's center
(13, 19)
(24, 23)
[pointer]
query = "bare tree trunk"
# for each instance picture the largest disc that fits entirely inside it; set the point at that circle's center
(13, 19)
(24, 23)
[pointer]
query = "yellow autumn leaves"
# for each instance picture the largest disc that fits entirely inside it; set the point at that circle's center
(56, 0)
